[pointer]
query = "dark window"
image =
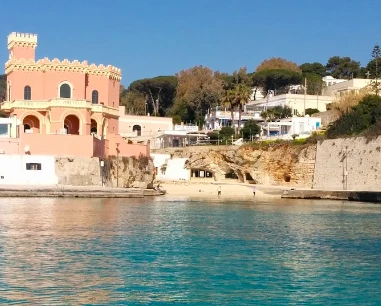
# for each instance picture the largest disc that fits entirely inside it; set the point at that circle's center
(33, 166)
(65, 91)
(94, 97)
(27, 93)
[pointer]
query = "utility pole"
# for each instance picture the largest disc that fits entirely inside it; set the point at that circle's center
(305, 95)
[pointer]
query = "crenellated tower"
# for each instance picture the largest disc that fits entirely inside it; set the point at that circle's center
(22, 46)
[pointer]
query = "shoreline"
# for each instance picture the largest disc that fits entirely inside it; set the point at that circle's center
(229, 190)
(67, 191)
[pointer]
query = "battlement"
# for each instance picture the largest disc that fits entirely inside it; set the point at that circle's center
(46, 64)
(25, 38)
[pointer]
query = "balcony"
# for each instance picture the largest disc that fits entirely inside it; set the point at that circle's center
(100, 108)
(42, 105)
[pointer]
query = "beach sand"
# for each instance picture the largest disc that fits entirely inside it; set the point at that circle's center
(209, 190)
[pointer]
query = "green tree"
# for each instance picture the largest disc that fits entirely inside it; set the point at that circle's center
(134, 102)
(228, 100)
(250, 129)
(242, 94)
(159, 93)
(313, 68)
(226, 133)
(314, 84)
(376, 54)
(276, 79)
(311, 111)
(277, 112)
(198, 90)
(343, 67)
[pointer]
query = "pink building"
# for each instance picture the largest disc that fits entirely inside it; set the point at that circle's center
(63, 108)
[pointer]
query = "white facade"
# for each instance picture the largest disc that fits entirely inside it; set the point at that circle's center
(27, 170)
(160, 164)
(329, 81)
(217, 119)
(285, 128)
(345, 86)
(294, 101)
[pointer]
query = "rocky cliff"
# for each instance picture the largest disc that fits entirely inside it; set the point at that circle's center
(283, 164)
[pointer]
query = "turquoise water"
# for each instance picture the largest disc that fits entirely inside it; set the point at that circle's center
(161, 252)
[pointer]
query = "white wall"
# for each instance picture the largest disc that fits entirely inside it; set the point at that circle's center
(158, 161)
(176, 170)
(13, 170)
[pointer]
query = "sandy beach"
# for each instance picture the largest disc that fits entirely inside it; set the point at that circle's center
(200, 190)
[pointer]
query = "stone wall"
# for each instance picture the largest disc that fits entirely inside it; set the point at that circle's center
(352, 163)
(133, 172)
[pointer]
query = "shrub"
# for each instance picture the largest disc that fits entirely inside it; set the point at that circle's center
(359, 119)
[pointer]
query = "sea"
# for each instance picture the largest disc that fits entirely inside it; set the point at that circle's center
(177, 251)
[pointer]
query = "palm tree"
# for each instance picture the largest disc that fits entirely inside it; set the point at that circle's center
(228, 99)
(242, 95)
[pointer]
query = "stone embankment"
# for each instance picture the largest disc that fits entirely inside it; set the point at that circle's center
(359, 196)
(75, 192)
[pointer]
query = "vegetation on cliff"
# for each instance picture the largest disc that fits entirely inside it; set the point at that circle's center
(361, 119)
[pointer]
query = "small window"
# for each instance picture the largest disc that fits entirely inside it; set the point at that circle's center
(65, 91)
(33, 166)
(27, 93)
(94, 97)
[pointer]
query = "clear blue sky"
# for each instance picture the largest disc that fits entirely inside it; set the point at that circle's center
(152, 37)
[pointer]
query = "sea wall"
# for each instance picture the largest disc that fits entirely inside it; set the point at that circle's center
(132, 172)
(351, 164)
(337, 164)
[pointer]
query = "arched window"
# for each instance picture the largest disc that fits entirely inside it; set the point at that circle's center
(27, 93)
(138, 129)
(65, 91)
(94, 97)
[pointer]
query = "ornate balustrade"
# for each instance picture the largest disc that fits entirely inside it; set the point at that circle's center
(67, 103)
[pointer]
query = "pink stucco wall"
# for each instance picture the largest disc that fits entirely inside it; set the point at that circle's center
(58, 145)
(10, 145)
(45, 86)
(125, 149)
(24, 52)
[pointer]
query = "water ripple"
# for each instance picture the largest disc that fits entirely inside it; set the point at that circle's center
(159, 252)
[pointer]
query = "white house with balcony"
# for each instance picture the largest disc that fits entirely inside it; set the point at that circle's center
(297, 103)
(220, 117)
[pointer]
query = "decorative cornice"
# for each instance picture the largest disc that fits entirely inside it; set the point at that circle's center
(75, 66)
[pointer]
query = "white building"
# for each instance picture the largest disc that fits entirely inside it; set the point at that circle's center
(27, 170)
(221, 117)
(329, 81)
(285, 128)
(346, 85)
(297, 103)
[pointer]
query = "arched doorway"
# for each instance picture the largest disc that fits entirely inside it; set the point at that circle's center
(138, 129)
(31, 124)
(94, 127)
(72, 125)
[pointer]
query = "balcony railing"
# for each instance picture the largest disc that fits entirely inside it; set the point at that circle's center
(99, 108)
(47, 104)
